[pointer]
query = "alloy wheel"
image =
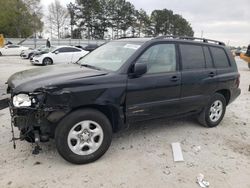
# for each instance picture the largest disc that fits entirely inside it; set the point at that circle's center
(85, 137)
(216, 111)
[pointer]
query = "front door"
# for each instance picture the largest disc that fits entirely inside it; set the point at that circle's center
(156, 93)
(64, 55)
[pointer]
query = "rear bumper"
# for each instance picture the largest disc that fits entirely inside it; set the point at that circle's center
(234, 94)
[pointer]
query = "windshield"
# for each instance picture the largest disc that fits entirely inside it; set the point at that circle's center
(41, 47)
(110, 56)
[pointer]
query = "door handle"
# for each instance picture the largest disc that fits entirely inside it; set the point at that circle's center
(174, 78)
(211, 74)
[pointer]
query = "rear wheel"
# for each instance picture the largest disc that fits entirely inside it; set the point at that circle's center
(83, 136)
(47, 61)
(1, 54)
(249, 65)
(214, 112)
(30, 55)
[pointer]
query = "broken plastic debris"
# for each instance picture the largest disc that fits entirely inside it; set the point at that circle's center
(197, 148)
(177, 153)
(200, 180)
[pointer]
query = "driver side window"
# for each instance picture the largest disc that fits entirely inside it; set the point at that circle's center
(62, 50)
(159, 58)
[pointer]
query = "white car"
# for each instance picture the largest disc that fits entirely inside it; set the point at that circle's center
(12, 49)
(26, 54)
(60, 54)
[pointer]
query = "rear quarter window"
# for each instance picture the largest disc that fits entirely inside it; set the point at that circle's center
(220, 57)
(192, 56)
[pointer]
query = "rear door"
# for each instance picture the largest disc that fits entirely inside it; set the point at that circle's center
(198, 74)
(156, 93)
(76, 54)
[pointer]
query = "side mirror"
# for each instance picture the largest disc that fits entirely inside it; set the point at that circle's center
(140, 69)
(56, 52)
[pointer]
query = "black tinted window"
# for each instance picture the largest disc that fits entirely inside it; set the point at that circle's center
(73, 50)
(61, 50)
(68, 49)
(209, 62)
(220, 57)
(192, 56)
(13, 46)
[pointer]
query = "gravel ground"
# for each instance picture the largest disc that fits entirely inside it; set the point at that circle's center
(140, 156)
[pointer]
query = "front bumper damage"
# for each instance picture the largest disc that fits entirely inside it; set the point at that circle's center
(29, 120)
(37, 123)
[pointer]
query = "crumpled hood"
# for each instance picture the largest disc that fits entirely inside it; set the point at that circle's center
(33, 79)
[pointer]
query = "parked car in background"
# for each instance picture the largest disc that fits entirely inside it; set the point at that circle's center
(246, 56)
(12, 49)
(26, 54)
(89, 47)
(61, 54)
(45, 51)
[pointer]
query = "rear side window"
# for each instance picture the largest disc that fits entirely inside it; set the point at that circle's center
(192, 57)
(220, 57)
(209, 61)
(13, 46)
(73, 50)
(68, 49)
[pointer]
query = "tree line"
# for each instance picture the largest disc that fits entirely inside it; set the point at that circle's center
(20, 18)
(91, 19)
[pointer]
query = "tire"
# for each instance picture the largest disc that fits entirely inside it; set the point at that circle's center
(47, 61)
(29, 56)
(249, 65)
(74, 145)
(1, 54)
(214, 112)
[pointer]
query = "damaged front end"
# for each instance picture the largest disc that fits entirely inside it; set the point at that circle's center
(36, 114)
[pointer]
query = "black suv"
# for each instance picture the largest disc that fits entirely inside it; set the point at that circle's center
(124, 81)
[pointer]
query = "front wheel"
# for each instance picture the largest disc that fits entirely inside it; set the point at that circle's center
(47, 61)
(214, 112)
(83, 136)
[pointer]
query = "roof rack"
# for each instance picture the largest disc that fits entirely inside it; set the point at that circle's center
(191, 38)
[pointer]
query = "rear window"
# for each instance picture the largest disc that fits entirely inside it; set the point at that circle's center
(192, 57)
(220, 57)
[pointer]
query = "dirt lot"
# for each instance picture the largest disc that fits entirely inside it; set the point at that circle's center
(140, 156)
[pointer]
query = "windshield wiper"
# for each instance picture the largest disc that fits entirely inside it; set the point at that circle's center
(90, 66)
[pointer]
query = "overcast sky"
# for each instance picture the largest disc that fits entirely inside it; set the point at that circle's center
(225, 20)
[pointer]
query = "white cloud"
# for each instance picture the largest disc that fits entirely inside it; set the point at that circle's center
(225, 20)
